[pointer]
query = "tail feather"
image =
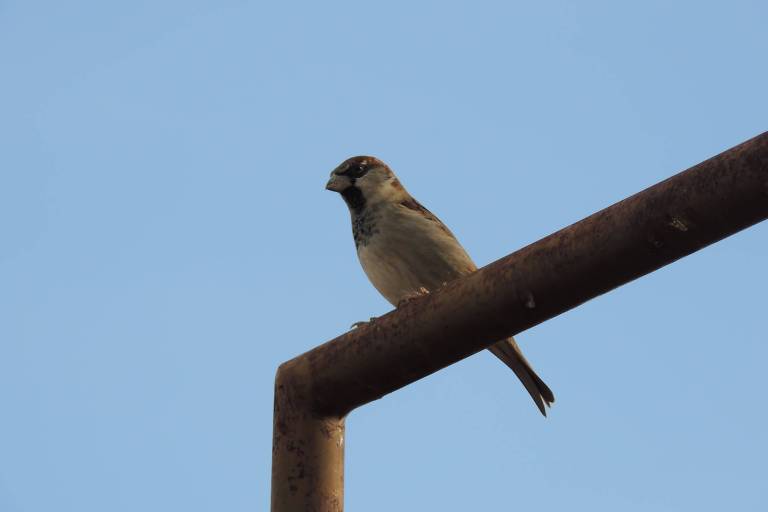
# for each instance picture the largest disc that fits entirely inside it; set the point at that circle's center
(510, 354)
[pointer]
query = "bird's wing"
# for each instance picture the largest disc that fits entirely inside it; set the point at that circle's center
(416, 206)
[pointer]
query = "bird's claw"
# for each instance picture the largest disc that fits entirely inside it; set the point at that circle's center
(415, 295)
(360, 324)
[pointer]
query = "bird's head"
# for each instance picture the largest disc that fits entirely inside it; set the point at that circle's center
(364, 181)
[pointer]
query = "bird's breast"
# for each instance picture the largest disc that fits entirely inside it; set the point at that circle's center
(402, 254)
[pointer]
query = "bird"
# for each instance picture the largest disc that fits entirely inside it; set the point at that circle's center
(406, 251)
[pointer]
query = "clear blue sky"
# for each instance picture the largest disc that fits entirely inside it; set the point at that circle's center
(166, 242)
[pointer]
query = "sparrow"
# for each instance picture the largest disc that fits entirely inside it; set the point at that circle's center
(406, 251)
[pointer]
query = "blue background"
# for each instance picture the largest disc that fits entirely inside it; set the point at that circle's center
(166, 242)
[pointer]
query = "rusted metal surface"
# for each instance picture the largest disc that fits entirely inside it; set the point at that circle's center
(307, 450)
(638, 235)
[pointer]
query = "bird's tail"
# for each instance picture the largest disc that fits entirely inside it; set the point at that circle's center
(510, 354)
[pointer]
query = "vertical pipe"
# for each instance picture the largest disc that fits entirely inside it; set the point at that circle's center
(307, 450)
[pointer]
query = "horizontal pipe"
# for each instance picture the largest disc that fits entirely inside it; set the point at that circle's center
(631, 238)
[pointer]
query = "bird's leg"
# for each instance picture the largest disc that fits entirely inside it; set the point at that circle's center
(418, 293)
(360, 324)
(411, 296)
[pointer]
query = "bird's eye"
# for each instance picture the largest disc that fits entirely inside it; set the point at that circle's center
(355, 171)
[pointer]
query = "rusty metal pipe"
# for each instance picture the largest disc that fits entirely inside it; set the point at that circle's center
(308, 448)
(638, 235)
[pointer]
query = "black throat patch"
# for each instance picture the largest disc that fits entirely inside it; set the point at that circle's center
(353, 196)
(363, 219)
(364, 226)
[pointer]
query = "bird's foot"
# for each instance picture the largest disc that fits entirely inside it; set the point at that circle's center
(360, 324)
(415, 295)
